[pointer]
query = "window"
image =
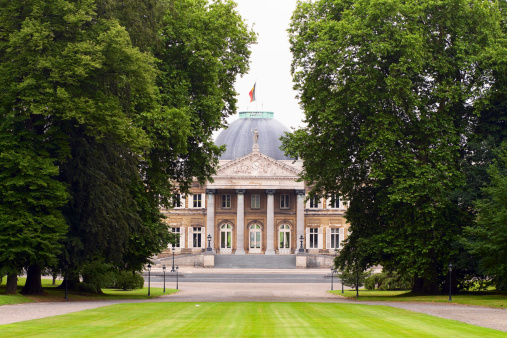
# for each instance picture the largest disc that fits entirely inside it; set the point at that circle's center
(284, 236)
(255, 201)
(197, 237)
(197, 201)
(334, 201)
(177, 242)
(226, 236)
(284, 201)
(226, 201)
(335, 239)
(178, 201)
(314, 238)
(314, 202)
(255, 238)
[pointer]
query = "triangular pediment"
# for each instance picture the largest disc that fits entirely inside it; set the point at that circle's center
(257, 164)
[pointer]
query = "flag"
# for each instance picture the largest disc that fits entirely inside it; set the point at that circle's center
(252, 93)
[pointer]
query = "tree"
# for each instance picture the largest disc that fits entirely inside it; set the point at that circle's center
(117, 134)
(488, 238)
(390, 89)
(63, 66)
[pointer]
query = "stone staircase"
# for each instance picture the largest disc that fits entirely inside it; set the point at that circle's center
(255, 261)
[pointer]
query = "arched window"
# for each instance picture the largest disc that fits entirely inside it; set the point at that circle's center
(225, 237)
(255, 238)
(284, 239)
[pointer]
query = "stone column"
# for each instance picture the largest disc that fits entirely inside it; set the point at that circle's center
(270, 226)
(300, 217)
(240, 233)
(210, 216)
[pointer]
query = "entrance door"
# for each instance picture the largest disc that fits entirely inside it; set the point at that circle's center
(255, 239)
(226, 239)
(284, 239)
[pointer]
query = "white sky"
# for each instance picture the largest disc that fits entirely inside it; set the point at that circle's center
(270, 61)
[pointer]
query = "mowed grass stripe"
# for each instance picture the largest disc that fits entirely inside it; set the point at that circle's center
(246, 319)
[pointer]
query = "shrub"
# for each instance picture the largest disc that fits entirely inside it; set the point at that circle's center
(350, 276)
(390, 280)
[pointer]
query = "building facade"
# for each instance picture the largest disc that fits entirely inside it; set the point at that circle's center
(255, 204)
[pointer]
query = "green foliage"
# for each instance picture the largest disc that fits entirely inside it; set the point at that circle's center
(127, 280)
(390, 280)
(488, 237)
(106, 109)
(353, 277)
(392, 90)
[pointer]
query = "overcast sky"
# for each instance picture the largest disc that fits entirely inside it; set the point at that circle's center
(270, 61)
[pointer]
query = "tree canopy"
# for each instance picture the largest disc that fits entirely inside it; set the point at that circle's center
(391, 90)
(106, 109)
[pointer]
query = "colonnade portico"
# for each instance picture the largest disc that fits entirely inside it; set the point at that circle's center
(270, 228)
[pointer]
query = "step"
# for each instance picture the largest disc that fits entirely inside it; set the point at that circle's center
(255, 261)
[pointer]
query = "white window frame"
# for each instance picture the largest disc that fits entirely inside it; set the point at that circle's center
(181, 200)
(192, 232)
(284, 201)
(226, 201)
(334, 232)
(310, 204)
(196, 199)
(318, 233)
(177, 244)
(255, 198)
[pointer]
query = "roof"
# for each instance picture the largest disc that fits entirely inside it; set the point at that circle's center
(239, 136)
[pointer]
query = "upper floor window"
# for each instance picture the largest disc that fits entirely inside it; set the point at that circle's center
(314, 202)
(226, 201)
(197, 201)
(334, 201)
(284, 201)
(255, 201)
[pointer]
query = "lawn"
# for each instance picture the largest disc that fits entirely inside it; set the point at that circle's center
(53, 294)
(246, 319)
(489, 299)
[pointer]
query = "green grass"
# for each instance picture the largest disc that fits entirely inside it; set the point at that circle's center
(53, 294)
(244, 320)
(489, 299)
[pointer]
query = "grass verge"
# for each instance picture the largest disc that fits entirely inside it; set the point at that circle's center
(245, 320)
(489, 299)
(53, 294)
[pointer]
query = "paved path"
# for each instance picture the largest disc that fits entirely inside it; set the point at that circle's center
(246, 292)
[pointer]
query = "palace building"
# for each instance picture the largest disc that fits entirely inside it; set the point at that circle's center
(256, 205)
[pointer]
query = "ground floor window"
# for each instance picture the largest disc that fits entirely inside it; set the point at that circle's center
(197, 237)
(314, 238)
(335, 238)
(177, 240)
(226, 236)
(284, 236)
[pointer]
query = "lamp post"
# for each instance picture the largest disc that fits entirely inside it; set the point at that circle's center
(301, 246)
(209, 243)
(163, 268)
(332, 274)
(342, 282)
(172, 270)
(357, 283)
(450, 282)
(176, 277)
(66, 281)
(149, 279)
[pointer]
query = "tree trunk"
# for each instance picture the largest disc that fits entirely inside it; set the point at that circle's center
(33, 284)
(424, 286)
(12, 284)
